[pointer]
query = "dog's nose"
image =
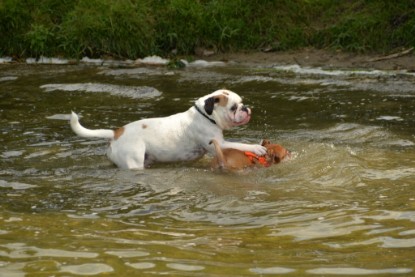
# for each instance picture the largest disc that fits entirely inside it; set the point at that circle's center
(246, 109)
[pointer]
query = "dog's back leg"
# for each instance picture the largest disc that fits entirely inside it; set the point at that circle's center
(128, 158)
(134, 164)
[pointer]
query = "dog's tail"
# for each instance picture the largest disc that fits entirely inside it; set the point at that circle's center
(87, 133)
(219, 153)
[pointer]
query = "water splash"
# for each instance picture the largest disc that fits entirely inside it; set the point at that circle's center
(116, 90)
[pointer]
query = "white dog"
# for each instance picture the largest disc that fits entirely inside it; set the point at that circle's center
(180, 137)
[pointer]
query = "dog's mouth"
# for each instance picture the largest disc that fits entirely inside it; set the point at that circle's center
(243, 121)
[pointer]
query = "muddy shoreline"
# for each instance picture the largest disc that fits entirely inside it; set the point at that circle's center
(308, 57)
(322, 58)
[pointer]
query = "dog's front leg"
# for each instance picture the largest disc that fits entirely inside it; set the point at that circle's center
(255, 148)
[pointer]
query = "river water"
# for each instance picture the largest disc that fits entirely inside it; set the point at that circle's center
(344, 204)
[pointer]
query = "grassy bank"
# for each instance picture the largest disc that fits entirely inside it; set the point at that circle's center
(136, 28)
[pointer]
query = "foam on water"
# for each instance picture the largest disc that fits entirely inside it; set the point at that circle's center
(15, 185)
(6, 60)
(47, 60)
(152, 60)
(116, 90)
(60, 117)
(389, 118)
(295, 68)
(357, 271)
(8, 78)
(87, 269)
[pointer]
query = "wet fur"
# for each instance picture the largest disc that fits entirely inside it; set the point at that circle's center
(180, 137)
(233, 159)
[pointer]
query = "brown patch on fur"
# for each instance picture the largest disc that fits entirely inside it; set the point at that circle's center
(118, 133)
(233, 159)
(222, 100)
(144, 126)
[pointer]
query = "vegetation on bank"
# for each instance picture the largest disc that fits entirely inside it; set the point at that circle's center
(136, 28)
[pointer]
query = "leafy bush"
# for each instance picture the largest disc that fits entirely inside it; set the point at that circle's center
(15, 19)
(96, 27)
(366, 26)
(38, 38)
(135, 28)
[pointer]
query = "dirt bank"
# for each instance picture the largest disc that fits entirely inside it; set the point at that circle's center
(398, 60)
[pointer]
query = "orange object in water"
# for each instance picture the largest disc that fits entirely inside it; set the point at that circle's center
(257, 159)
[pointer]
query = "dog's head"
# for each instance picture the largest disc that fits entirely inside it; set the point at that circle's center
(225, 108)
(275, 152)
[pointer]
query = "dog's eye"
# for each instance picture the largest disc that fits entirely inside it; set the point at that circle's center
(234, 107)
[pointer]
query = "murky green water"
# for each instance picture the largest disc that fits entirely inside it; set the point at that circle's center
(343, 205)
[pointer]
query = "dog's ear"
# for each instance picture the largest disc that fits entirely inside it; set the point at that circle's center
(210, 104)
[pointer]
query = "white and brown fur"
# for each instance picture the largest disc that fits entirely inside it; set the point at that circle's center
(180, 137)
(234, 159)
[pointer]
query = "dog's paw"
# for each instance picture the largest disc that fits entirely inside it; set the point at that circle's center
(259, 149)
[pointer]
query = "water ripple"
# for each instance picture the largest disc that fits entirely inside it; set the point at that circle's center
(21, 250)
(357, 271)
(116, 90)
(87, 269)
(343, 205)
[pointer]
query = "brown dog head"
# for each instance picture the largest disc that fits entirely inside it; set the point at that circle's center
(275, 152)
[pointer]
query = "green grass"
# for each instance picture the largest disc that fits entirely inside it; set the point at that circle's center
(136, 28)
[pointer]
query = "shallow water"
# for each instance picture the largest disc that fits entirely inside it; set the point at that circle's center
(344, 204)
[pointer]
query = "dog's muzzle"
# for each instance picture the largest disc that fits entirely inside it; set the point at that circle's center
(242, 116)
